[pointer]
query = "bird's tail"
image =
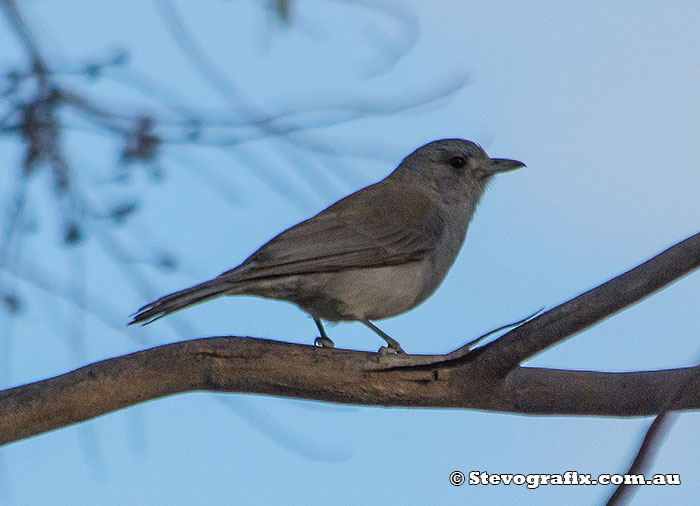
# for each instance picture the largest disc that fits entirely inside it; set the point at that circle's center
(180, 300)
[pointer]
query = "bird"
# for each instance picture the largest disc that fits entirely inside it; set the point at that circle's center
(374, 254)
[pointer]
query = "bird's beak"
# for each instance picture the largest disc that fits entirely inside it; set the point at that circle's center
(503, 165)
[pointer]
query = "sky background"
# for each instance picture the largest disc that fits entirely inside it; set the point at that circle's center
(599, 99)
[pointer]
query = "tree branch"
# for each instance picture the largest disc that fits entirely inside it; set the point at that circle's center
(650, 445)
(248, 365)
(475, 380)
(593, 306)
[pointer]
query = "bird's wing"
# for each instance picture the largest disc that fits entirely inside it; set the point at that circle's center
(352, 234)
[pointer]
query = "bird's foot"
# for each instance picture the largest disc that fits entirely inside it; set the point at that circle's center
(324, 342)
(391, 350)
(392, 345)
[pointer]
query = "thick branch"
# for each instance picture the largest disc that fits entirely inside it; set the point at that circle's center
(231, 364)
(475, 380)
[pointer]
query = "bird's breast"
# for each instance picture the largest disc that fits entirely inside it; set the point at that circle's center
(368, 293)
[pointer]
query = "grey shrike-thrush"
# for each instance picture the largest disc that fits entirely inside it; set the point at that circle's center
(374, 254)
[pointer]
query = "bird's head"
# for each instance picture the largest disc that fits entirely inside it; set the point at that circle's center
(453, 167)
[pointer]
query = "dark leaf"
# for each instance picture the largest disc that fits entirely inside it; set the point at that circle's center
(73, 234)
(121, 212)
(12, 303)
(167, 262)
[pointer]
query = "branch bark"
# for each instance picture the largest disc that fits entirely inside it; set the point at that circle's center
(484, 378)
(248, 365)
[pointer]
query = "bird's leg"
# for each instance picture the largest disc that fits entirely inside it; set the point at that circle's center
(324, 341)
(393, 345)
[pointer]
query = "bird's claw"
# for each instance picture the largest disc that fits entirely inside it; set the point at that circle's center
(391, 350)
(323, 342)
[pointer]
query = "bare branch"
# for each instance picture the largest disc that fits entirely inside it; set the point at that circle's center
(474, 380)
(23, 34)
(593, 306)
(232, 364)
(652, 442)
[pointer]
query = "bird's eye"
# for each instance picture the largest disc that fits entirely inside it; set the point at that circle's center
(457, 162)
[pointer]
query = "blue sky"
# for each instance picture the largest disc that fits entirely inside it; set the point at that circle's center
(600, 99)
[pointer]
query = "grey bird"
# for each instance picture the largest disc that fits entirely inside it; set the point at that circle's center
(374, 254)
